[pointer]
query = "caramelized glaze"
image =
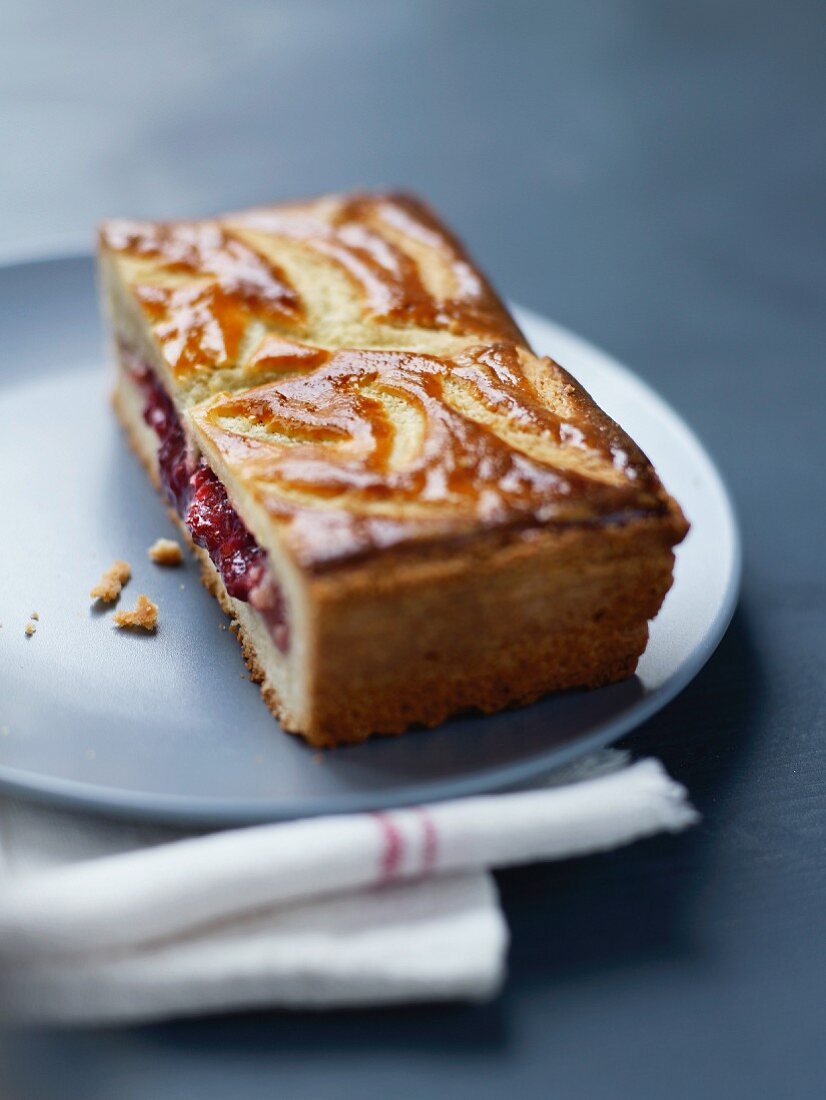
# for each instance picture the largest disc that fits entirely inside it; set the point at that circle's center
(400, 401)
(375, 448)
(202, 285)
(379, 241)
(219, 285)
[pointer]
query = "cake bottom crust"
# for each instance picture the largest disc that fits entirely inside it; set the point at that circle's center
(366, 680)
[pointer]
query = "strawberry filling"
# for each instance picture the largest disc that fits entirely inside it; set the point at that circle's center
(201, 501)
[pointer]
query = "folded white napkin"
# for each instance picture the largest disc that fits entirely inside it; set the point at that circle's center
(111, 923)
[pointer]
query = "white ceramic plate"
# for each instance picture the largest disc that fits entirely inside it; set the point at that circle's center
(167, 728)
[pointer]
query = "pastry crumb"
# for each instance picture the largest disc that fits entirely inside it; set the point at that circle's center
(34, 615)
(110, 584)
(30, 629)
(143, 616)
(166, 552)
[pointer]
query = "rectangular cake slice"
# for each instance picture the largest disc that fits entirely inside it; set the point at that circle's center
(406, 512)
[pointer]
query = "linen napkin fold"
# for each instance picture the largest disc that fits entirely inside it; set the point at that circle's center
(349, 910)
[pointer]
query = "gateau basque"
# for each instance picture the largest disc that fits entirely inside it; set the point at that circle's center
(405, 510)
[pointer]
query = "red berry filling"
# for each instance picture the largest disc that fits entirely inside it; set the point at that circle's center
(202, 503)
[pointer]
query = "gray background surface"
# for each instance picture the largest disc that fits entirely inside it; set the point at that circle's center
(650, 174)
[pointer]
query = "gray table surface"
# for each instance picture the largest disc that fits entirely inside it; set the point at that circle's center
(650, 174)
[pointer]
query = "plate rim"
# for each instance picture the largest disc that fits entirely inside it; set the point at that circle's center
(193, 811)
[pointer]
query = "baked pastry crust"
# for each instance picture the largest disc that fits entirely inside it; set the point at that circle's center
(449, 520)
(165, 552)
(111, 583)
(143, 616)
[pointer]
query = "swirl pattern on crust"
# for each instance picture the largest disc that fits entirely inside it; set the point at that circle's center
(200, 289)
(376, 448)
(362, 271)
(344, 363)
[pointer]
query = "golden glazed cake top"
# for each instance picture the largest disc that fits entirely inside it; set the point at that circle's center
(254, 293)
(400, 402)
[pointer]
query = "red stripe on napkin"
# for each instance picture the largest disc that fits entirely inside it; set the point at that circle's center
(392, 847)
(430, 842)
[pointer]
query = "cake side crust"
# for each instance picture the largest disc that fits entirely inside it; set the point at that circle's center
(493, 630)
